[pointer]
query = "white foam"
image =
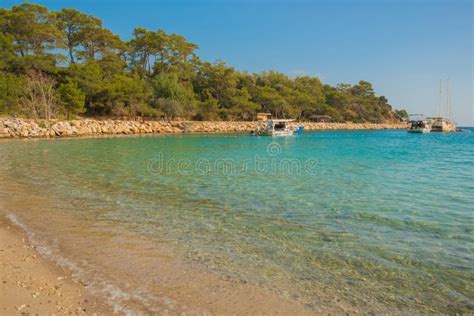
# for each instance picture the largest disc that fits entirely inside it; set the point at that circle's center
(112, 294)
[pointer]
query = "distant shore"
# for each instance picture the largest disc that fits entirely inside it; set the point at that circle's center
(27, 128)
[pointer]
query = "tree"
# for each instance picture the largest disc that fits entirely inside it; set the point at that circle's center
(39, 99)
(310, 97)
(241, 106)
(271, 101)
(11, 89)
(208, 110)
(175, 55)
(363, 89)
(74, 24)
(7, 52)
(90, 78)
(32, 27)
(154, 73)
(168, 86)
(71, 98)
(142, 48)
(155, 53)
(401, 114)
(219, 82)
(97, 42)
(124, 95)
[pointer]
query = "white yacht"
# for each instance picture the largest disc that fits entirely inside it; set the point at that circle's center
(443, 122)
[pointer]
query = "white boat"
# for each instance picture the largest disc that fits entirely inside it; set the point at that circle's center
(443, 122)
(419, 127)
(276, 128)
(419, 124)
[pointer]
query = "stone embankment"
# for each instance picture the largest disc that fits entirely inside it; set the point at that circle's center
(24, 128)
(312, 126)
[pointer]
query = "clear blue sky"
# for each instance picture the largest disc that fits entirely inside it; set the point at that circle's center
(403, 47)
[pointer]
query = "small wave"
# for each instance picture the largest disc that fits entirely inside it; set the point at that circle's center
(113, 295)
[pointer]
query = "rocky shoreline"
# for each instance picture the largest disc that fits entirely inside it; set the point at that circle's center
(25, 128)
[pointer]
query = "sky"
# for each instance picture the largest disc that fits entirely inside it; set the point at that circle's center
(404, 48)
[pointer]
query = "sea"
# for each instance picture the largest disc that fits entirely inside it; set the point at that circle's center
(362, 221)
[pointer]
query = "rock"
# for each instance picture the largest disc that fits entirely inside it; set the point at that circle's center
(30, 128)
(4, 132)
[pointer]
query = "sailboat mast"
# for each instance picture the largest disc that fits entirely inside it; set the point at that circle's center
(440, 99)
(449, 99)
(450, 106)
(445, 112)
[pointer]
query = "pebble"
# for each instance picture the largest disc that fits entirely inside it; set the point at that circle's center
(19, 308)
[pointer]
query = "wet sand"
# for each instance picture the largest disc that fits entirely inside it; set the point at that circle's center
(31, 284)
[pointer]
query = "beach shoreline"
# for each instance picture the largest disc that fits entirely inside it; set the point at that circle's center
(35, 281)
(32, 284)
(27, 128)
(157, 268)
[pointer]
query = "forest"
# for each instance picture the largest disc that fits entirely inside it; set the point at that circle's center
(61, 64)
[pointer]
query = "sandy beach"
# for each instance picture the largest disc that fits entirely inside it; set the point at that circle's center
(33, 285)
(30, 284)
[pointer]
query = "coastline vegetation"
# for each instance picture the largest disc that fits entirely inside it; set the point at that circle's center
(63, 63)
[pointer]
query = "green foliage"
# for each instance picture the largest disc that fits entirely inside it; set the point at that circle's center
(402, 114)
(155, 73)
(7, 52)
(229, 88)
(168, 86)
(34, 34)
(155, 53)
(125, 95)
(77, 28)
(32, 28)
(11, 89)
(208, 110)
(71, 98)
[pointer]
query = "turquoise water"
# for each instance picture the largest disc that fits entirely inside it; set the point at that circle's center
(372, 217)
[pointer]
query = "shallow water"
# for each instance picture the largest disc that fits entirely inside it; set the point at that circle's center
(368, 219)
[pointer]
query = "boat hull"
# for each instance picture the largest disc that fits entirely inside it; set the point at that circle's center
(282, 133)
(442, 124)
(419, 131)
(444, 128)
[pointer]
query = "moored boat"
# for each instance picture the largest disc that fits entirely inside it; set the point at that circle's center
(419, 126)
(442, 124)
(277, 127)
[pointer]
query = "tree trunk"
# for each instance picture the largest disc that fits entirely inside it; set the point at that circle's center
(71, 55)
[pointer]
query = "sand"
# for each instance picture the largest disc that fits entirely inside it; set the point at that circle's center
(32, 285)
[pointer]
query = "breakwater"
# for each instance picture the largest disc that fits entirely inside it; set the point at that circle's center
(26, 128)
